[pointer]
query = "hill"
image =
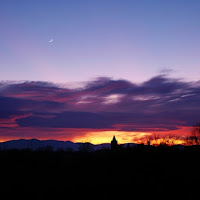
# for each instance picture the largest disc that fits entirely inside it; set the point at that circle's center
(51, 145)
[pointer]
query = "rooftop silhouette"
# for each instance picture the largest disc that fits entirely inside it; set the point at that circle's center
(114, 144)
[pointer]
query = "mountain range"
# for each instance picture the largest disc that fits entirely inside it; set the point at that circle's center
(53, 145)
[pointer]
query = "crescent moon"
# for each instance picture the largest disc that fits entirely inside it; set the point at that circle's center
(51, 40)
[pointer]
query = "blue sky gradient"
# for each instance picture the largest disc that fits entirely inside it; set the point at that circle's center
(131, 39)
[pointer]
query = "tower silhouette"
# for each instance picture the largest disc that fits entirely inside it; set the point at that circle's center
(114, 144)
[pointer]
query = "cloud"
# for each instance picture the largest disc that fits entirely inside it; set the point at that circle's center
(66, 120)
(159, 104)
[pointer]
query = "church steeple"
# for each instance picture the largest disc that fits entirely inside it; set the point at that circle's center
(114, 144)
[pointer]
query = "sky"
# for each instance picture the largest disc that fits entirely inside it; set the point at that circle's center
(102, 108)
(131, 39)
(88, 69)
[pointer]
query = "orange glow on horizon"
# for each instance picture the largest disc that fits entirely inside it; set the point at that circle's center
(99, 137)
(103, 136)
(168, 141)
(93, 136)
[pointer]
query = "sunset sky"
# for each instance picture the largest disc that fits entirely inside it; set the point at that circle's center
(85, 70)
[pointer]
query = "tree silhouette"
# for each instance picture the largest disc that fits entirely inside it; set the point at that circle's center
(194, 139)
(86, 147)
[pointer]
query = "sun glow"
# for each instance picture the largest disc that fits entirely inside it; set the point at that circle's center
(174, 137)
(106, 136)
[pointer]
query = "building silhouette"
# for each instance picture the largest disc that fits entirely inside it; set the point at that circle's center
(114, 144)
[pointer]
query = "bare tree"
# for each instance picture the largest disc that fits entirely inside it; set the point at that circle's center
(152, 139)
(194, 138)
(164, 140)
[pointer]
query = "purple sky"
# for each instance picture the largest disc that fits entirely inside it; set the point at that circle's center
(131, 39)
(123, 67)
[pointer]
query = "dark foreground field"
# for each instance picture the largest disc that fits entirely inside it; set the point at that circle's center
(161, 173)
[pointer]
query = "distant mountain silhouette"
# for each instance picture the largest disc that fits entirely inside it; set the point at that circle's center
(53, 145)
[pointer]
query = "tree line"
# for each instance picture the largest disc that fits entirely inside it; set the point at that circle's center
(193, 138)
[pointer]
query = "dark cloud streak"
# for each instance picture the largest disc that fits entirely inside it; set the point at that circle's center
(160, 102)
